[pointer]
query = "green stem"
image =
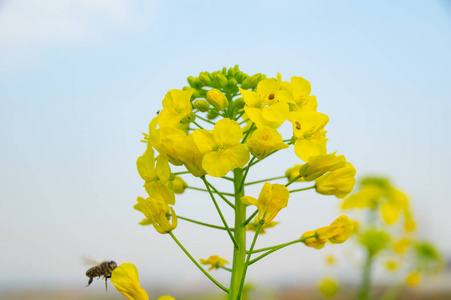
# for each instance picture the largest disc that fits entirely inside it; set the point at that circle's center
(198, 125)
(304, 189)
(220, 212)
(204, 190)
(264, 180)
(248, 132)
(225, 268)
(181, 173)
(250, 218)
(221, 195)
(293, 180)
(202, 223)
(205, 120)
(260, 160)
(275, 248)
(228, 178)
(365, 289)
(243, 278)
(239, 254)
(197, 264)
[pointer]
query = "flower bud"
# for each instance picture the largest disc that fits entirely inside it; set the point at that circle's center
(221, 79)
(194, 82)
(205, 79)
(211, 115)
(250, 82)
(239, 103)
(179, 185)
(201, 105)
(240, 77)
(232, 84)
(231, 73)
(216, 98)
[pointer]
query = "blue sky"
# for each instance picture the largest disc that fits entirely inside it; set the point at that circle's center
(80, 80)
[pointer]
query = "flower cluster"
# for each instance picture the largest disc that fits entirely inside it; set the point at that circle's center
(228, 121)
(385, 233)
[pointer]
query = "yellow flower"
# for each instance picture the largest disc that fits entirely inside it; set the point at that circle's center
(293, 172)
(369, 196)
(308, 129)
(221, 147)
(409, 224)
(298, 94)
(272, 198)
(391, 265)
(321, 164)
(338, 232)
(179, 147)
(328, 287)
(125, 279)
(263, 141)
(413, 279)
(156, 176)
(391, 209)
(254, 225)
(156, 211)
(179, 185)
(262, 106)
(330, 260)
(216, 98)
(176, 107)
(215, 261)
(400, 247)
(313, 242)
(339, 182)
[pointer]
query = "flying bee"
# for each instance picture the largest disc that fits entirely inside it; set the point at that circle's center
(104, 269)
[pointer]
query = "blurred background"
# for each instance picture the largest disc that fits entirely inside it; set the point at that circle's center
(80, 80)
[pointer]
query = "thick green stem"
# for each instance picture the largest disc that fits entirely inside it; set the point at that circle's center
(365, 289)
(197, 264)
(239, 253)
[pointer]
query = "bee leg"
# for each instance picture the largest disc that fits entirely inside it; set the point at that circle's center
(106, 287)
(90, 281)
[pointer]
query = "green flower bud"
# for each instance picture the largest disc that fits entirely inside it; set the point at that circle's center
(194, 82)
(205, 79)
(231, 73)
(250, 82)
(240, 77)
(171, 176)
(239, 103)
(216, 98)
(224, 71)
(222, 80)
(232, 84)
(211, 115)
(201, 105)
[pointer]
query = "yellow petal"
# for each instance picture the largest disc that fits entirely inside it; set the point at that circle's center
(126, 280)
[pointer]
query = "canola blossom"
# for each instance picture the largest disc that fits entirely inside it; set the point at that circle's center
(216, 129)
(384, 233)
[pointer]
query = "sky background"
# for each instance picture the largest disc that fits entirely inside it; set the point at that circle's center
(80, 80)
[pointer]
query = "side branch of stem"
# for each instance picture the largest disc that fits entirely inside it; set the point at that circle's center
(197, 264)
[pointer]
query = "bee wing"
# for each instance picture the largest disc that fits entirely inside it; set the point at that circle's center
(88, 261)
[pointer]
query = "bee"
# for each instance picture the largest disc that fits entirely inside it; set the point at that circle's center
(104, 269)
